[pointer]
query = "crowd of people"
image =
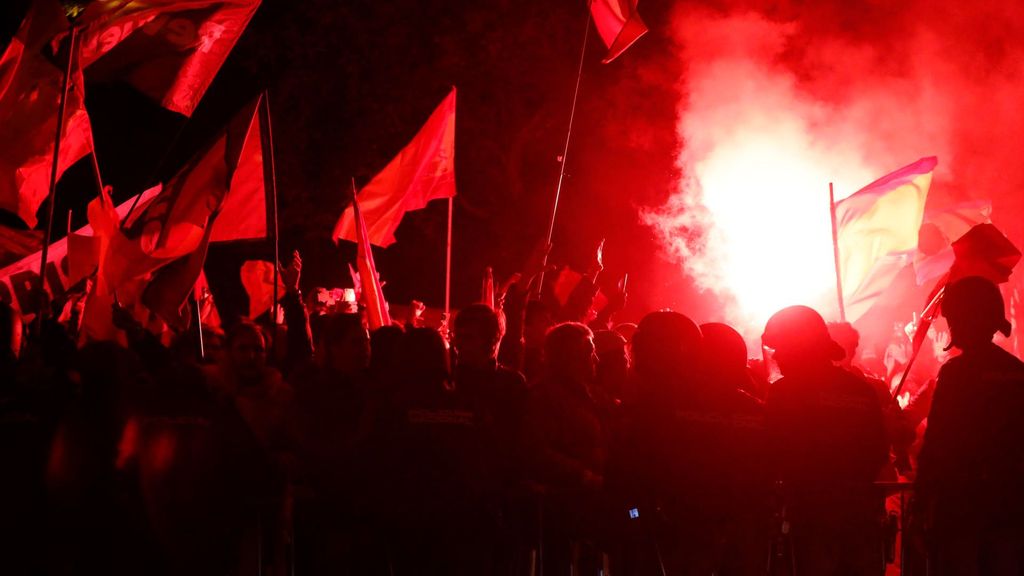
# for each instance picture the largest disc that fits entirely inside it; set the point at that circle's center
(523, 438)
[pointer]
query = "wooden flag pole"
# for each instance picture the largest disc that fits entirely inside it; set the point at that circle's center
(835, 253)
(52, 195)
(270, 189)
(565, 150)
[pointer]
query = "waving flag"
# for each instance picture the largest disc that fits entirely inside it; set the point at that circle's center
(174, 223)
(69, 260)
(982, 251)
(155, 261)
(618, 23)
(30, 89)
(939, 230)
(169, 50)
(373, 294)
(877, 221)
(423, 171)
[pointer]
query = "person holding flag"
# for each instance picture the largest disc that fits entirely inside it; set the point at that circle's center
(969, 500)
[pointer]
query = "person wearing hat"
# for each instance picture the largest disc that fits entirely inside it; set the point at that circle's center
(970, 483)
(828, 445)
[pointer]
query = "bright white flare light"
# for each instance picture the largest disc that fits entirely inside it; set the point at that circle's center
(751, 218)
(771, 235)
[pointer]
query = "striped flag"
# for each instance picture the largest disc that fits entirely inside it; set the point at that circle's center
(876, 222)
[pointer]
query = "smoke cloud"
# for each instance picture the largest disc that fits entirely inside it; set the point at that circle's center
(777, 101)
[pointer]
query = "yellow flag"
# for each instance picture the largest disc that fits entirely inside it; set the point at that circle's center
(880, 219)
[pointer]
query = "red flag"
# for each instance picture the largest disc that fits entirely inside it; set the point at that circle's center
(176, 227)
(565, 283)
(618, 23)
(168, 290)
(69, 259)
(373, 295)
(174, 224)
(169, 50)
(423, 171)
(983, 251)
(208, 313)
(258, 280)
(83, 252)
(30, 89)
(243, 216)
(97, 323)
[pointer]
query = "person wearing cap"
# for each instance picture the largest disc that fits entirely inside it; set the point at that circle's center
(970, 483)
(828, 445)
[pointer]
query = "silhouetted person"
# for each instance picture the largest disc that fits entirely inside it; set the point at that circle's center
(970, 485)
(501, 395)
(829, 444)
(243, 381)
(899, 429)
(257, 391)
(24, 436)
(333, 419)
(692, 458)
(726, 354)
(449, 440)
(566, 446)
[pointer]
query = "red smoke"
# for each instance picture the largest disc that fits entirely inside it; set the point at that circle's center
(776, 101)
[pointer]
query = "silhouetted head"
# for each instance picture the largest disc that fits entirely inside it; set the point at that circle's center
(246, 350)
(344, 345)
(569, 353)
(476, 332)
(844, 334)
(665, 344)
(973, 307)
(424, 359)
(800, 339)
(386, 345)
(724, 347)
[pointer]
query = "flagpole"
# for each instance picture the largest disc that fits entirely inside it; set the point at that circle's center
(52, 195)
(448, 265)
(270, 187)
(96, 167)
(199, 324)
(565, 149)
(920, 332)
(835, 253)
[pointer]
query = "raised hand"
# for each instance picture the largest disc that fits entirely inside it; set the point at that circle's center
(290, 276)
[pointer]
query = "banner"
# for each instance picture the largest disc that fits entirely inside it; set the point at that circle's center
(18, 279)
